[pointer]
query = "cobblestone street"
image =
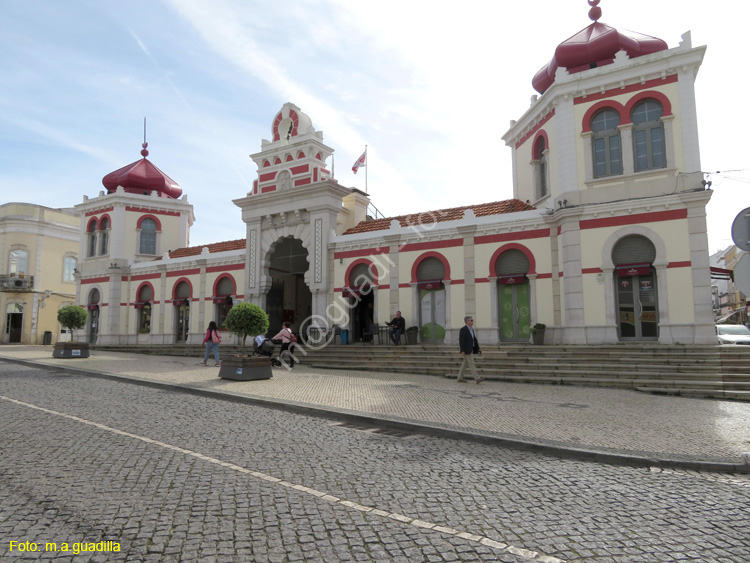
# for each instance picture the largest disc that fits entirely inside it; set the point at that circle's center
(176, 477)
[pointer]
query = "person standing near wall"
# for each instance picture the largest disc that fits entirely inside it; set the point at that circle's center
(212, 341)
(469, 345)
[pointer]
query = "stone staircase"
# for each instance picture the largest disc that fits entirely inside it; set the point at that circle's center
(696, 371)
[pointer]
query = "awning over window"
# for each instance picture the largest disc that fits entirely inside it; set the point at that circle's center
(222, 299)
(92, 306)
(355, 291)
(721, 274)
(140, 304)
(626, 270)
(511, 280)
(178, 301)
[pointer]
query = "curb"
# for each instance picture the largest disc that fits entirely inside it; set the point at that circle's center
(415, 427)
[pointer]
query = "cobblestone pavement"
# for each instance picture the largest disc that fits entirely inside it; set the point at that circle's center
(611, 421)
(176, 477)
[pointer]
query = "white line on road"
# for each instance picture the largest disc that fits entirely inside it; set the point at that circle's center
(523, 553)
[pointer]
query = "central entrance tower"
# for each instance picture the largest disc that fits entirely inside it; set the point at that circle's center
(291, 214)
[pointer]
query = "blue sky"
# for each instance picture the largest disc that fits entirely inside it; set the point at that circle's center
(430, 90)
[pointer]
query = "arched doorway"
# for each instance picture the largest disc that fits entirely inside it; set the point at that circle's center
(14, 322)
(360, 290)
(430, 276)
(223, 291)
(181, 302)
(635, 289)
(289, 299)
(143, 308)
(93, 320)
(513, 296)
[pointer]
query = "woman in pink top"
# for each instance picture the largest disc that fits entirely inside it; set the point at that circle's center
(210, 344)
(287, 343)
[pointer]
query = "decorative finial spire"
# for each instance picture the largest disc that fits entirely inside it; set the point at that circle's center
(144, 152)
(595, 12)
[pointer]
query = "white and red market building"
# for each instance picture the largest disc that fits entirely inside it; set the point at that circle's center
(604, 240)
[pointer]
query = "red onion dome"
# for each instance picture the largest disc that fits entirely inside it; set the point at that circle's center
(142, 177)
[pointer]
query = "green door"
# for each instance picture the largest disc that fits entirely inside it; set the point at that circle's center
(515, 312)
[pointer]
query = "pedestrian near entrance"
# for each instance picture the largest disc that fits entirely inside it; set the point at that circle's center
(212, 341)
(469, 346)
(287, 343)
(398, 327)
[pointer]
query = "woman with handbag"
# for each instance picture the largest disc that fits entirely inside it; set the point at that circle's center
(212, 341)
(287, 343)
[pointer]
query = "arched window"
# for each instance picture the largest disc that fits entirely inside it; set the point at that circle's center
(148, 237)
(104, 236)
(540, 157)
(143, 305)
(91, 239)
(18, 262)
(606, 143)
(648, 136)
(223, 299)
(512, 263)
(362, 275)
(431, 272)
(69, 268)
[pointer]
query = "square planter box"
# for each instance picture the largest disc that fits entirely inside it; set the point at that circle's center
(244, 368)
(71, 350)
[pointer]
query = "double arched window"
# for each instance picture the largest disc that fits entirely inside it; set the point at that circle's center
(607, 145)
(648, 136)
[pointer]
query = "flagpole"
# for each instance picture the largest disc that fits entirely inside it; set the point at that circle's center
(366, 166)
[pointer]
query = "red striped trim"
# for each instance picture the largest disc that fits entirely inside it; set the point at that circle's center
(155, 211)
(544, 276)
(431, 245)
(266, 189)
(363, 252)
(267, 176)
(636, 218)
(632, 88)
(145, 277)
(226, 268)
(95, 280)
(591, 270)
(519, 235)
(302, 182)
(684, 264)
(183, 273)
(300, 169)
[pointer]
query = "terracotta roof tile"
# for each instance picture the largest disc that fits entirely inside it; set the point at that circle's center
(212, 247)
(440, 215)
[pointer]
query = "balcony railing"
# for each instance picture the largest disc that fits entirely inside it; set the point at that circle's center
(13, 282)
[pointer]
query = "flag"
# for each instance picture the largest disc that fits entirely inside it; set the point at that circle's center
(361, 161)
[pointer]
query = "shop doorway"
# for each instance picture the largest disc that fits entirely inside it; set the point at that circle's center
(181, 302)
(14, 322)
(430, 275)
(514, 296)
(93, 320)
(636, 289)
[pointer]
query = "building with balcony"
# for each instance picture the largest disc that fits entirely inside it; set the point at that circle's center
(38, 261)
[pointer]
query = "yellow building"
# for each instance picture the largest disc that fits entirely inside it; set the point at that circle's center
(38, 261)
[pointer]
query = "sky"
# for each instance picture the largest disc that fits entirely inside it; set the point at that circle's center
(429, 89)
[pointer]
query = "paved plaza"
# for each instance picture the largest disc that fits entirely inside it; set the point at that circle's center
(607, 425)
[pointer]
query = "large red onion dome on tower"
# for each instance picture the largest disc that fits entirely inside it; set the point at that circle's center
(594, 46)
(142, 177)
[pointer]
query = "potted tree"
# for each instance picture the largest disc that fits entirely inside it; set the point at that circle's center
(537, 333)
(71, 318)
(411, 335)
(243, 320)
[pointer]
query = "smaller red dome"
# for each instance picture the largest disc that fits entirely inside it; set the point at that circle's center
(142, 177)
(594, 46)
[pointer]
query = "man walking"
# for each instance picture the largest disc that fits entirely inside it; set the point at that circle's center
(469, 345)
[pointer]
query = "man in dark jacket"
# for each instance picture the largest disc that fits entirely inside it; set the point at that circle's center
(469, 345)
(398, 327)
